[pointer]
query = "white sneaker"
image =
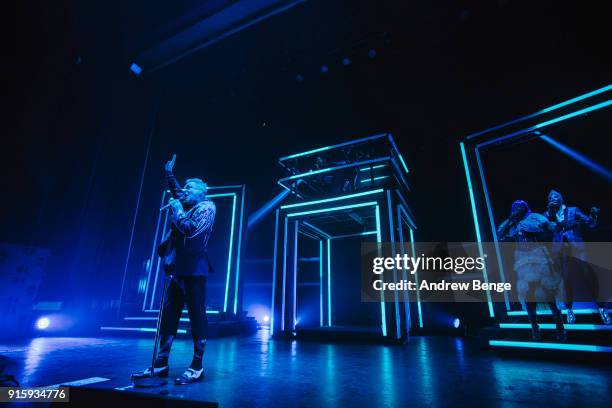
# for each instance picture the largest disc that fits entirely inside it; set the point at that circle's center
(190, 376)
(157, 371)
(605, 317)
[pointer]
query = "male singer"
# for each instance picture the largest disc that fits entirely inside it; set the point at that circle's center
(185, 259)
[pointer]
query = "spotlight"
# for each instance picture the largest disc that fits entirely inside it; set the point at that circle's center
(346, 61)
(42, 323)
(579, 157)
(266, 318)
(456, 323)
(324, 69)
(266, 209)
(135, 68)
(372, 53)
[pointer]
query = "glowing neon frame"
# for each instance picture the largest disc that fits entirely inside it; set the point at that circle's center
(239, 248)
(274, 272)
(383, 312)
(378, 235)
(329, 200)
(374, 179)
(328, 249)
(328, 169)
(401, 214)
(398, 333)
(393, 157)
(138, 329)
(507, 137)
(231, 244)
(329, 309)
(378, 166)
(545, 110)
(296, 227)
(548, 312)
(322, 210)
(476, 225)
(550, 346)
(233, 232)
(321, 283)
(552, 326)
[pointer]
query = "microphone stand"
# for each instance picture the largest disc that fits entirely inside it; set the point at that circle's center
(153, 381)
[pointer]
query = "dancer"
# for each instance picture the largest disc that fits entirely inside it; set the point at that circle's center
(185, 259)
(537, 280)
(570, 254)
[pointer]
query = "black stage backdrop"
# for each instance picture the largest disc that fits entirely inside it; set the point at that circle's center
(78, 121)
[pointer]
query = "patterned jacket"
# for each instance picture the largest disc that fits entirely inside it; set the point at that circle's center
(184, 249)
(573, 224)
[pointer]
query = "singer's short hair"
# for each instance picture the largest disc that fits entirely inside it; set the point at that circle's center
(200, 185)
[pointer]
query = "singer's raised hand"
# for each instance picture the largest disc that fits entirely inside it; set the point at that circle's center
(170, 164)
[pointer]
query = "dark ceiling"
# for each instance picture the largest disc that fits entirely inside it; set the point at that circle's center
(442, 70)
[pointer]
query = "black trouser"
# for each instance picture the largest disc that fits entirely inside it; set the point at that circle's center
(532, 306)
(181, 290)
(532, 315)
(577, 272)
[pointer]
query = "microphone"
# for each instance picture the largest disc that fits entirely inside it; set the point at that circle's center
(170, 192)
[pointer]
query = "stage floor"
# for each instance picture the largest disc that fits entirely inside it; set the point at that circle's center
(252, 371)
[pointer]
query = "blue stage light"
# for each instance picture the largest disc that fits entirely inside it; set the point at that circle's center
(346, 61)
(266, 318)
(135, 68)
(43, 323)
(372, 53)
(266, 208)
(324, 69)
(580, 158)
(456, 322)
